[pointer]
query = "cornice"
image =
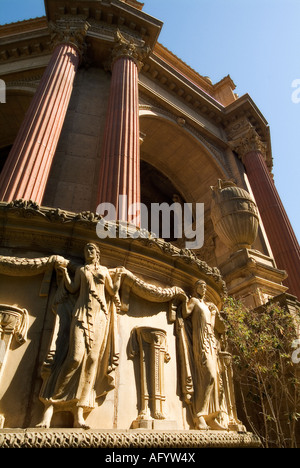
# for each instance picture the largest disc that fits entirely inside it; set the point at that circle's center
(23, 40)
(184, 69)
(202, 82)
(25, 26)
(245, 112)
(112, 12)
(32, 38)
(177, 84)
(134, 3)
(78, 438)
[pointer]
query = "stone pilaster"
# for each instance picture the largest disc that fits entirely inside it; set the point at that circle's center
(281, 236)
(120, 163)
(26, 170)
(13, 323)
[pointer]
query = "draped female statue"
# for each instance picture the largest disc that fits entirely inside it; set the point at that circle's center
(83, 352)
(202, 322)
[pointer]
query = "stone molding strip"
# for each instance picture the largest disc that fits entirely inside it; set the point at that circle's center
(79, 438)
(30, 211)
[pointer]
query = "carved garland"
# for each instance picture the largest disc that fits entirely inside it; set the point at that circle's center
(29, 209)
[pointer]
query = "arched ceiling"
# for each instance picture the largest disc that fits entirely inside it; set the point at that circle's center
(179, 155)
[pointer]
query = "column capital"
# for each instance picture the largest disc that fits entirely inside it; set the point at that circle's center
(129, 48)
(250, 141)
(70, 30)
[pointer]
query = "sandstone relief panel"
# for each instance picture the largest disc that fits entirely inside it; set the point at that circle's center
(83, 353)
(80, 366)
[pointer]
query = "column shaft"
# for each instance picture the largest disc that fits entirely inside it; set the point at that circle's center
(120, 173)
(26, 170)
(283, 241)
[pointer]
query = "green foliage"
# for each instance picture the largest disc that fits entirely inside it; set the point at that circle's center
(261, 343)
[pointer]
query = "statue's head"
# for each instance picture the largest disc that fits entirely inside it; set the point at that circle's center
(91, 253)
(200, 288)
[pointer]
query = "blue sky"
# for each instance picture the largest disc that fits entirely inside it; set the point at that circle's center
(256, 42)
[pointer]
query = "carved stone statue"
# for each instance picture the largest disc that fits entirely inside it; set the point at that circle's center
(76, 367)
(83, 352)
(199, 347)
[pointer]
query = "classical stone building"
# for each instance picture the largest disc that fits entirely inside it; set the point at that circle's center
(96, 108)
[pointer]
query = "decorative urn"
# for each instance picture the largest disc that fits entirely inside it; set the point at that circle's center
(234, 215)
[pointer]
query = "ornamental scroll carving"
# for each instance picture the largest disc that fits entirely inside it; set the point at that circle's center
(249, 141)
(128, 48)
(70, 30)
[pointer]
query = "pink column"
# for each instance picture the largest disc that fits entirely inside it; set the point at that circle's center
(283, 241)
(120, 159)
(26, 170)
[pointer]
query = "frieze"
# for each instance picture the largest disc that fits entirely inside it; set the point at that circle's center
(88, 220)
(61, 438)
(108, 31)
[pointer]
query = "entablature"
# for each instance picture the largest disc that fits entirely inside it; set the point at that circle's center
(22, 41)
(163, 76)
(112, 12)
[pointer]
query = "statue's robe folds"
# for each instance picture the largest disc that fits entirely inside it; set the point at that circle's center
(83, 351)
(84, 348)
(198, 349)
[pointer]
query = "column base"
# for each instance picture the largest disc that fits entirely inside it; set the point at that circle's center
(253, 277)
(154, 424)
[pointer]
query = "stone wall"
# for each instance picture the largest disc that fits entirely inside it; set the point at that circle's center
(74, 176)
